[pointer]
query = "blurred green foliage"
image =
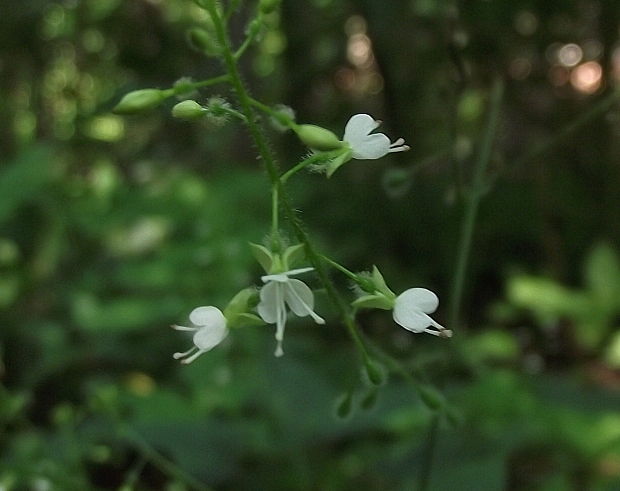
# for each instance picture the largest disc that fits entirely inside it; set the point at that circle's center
(113, 228)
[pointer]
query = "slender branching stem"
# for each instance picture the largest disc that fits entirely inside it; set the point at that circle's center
(282, 118)
(600, 108)
(475, 193)
(313, 159)
(189, 87)
(256, 132)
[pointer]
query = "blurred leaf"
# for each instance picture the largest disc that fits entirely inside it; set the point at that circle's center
(22, 179)
(602, 274)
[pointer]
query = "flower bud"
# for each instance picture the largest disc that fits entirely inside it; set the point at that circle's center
(431, 397)
(268, 6)
(318, 138)
(374, 371)
(203, 41)
(344, 405)
(140, 100)
(188, 110)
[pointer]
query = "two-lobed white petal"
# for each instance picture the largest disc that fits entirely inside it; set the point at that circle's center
(209, 337)
(411, 308)
(364, 145)
(207, 316)
(211, 325)
(296, 294)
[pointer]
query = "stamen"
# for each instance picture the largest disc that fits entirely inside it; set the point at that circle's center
(404, 148)
(280, 320)
(178, 355)
(183, 328)
(279, 351)
(187, 361)
(397, 143)
(434, 333)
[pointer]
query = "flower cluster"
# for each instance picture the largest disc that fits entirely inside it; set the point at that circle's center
(281, 294)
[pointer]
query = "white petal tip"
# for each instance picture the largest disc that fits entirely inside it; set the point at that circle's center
(446, 333)
(176, 356)
(279, 352)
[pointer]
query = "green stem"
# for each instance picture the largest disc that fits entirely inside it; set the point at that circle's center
(282, 118)
(245, 103)
(249, 39)
(340, 268)
(189, 87)
(275, 226)
(471, 208)
(597, 110)
(428, 454)
(318, 157)
(162, 463)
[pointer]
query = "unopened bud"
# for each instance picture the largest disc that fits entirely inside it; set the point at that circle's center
(140, 100)
(318, 138)
(202, 41)
(188, 110)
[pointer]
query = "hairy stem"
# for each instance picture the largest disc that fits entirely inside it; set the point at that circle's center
(246, 106)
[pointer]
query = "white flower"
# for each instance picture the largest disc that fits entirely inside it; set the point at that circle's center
(279, 291)
(366, 146)
(210, 330)
(411, 309)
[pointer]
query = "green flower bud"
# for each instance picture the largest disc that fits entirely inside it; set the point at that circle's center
(370, 399)
(374, 302)
(374, 372)
(268, 6)
(140, 100)
(431, 397)
(344, 405)
(318, 138)
(188, 110)
(203, 41)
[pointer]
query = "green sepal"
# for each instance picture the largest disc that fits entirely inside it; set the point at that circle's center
(380, 284)
(242, 302)
(333, 165)
(293, 255)
(244, 320)
(263, 256)
(373, 302)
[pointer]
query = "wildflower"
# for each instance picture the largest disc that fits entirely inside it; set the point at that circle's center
(210, 330)
(279, 291)
(367, 146)
(411, 309)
